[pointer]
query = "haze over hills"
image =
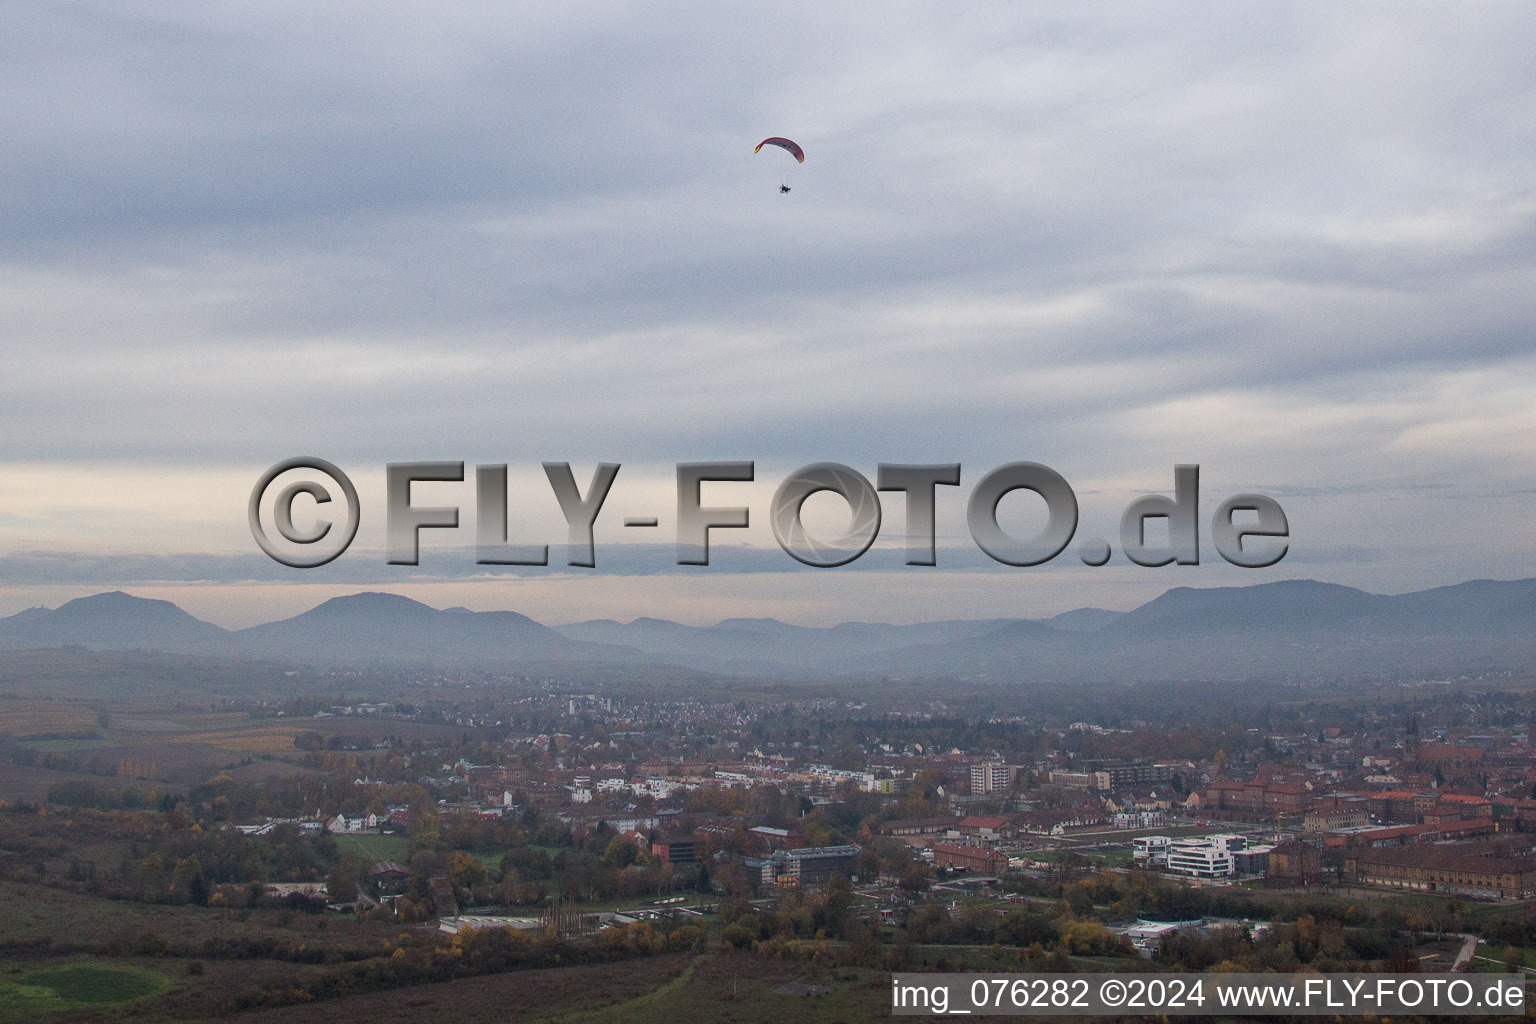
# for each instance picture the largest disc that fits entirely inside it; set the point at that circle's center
(108, 620)
(1084, 619)
(1291, 628)
(371, 626)
(758, 646)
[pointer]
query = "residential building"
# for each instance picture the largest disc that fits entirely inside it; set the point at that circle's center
(1294, 863)
(1138, 819)
(1124, 774)
(1080, 780)
(674, 849)
(1332, 819)
(1150, 851)
(992, 777)
(1209, 857)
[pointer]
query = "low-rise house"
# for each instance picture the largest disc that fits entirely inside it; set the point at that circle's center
(977, 859)
(987, 828)
(919, 826)
(388, 878)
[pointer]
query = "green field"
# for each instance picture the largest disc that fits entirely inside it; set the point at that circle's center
(66, 746)
(74, 986)
(372, 847)
(1113, 859)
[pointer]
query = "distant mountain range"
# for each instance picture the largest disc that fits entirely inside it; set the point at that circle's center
(1297, 628)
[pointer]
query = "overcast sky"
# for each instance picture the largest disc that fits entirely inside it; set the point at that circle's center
(1292, 243)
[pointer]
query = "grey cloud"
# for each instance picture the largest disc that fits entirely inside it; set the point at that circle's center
(236, 234)
(367, 567)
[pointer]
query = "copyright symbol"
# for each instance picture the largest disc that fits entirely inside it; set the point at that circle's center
(282, 513)
(1112, 993)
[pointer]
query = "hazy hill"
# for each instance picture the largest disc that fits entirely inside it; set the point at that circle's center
(1084, 620)
(1293, 628)
(1299, 628)
(1288, 606)
(768, 646)
(372, 626)
(108, 620)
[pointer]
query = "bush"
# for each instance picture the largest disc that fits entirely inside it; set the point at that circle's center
(737, 936)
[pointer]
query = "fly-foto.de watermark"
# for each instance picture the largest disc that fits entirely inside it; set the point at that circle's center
(1248, 530)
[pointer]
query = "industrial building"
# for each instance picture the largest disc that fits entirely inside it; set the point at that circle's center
(1427, 868)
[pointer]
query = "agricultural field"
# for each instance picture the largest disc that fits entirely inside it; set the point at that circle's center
(84, 958)
(41, 917)
(245, 739)
(170, 744)
(735, 988)
(75, 673)
(71, 951)
(21, 716)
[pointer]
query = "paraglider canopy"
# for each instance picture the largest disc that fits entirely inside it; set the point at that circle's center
(792, 147)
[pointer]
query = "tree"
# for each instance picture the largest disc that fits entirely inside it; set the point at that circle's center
(467, 872)
(837, 897)
(186, 870)
(197, 890)
(1078, 899)
(341, 882)
(914, 879)
(583, 878)
(620, 853)
(869, 862)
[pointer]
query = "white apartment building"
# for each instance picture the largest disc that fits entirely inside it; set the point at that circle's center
(1138, 819)
(1209, 857)
(992, 777)
(1150, 851)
